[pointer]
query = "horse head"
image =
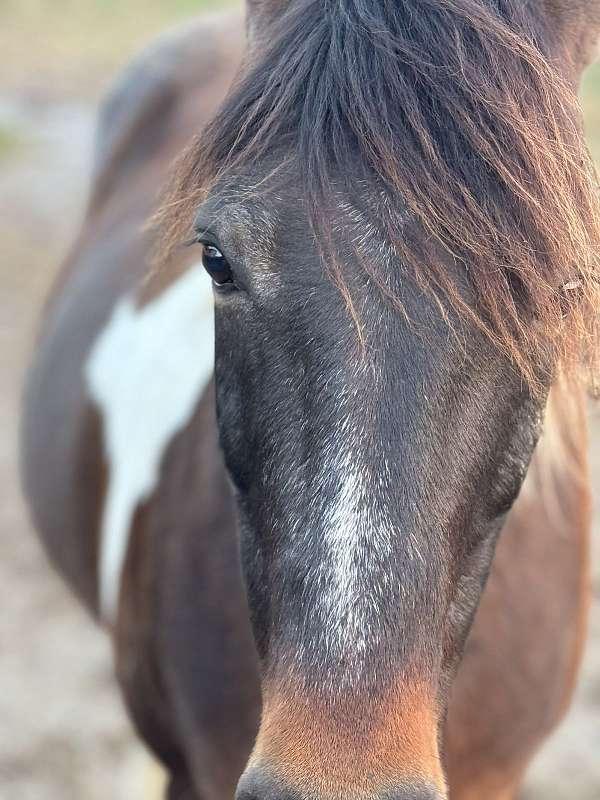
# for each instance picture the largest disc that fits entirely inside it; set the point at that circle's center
(397, 211)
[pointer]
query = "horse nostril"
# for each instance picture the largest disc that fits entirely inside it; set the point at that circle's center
(258, 783)
(414, 793)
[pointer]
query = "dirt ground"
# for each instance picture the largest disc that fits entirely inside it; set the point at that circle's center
(63, 733)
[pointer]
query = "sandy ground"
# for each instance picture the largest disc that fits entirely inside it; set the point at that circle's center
(63, 733)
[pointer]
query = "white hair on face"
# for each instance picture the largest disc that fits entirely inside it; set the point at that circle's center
(346, 599)
(354, 575)
(351, 528)
(146, 373)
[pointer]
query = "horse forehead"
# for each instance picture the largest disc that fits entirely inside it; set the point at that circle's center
(146, 373)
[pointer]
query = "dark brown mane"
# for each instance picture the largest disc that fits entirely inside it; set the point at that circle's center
(454, 106)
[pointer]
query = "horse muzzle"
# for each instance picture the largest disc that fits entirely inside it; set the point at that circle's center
(261, 782)
(357, 748)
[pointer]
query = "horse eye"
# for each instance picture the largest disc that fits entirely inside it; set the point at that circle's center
(216, 264)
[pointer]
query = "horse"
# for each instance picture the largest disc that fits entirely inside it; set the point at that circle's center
(321, 473)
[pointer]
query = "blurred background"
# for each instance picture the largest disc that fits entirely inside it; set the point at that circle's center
(63, 732)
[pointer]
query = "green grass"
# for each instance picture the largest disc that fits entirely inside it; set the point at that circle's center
(71, 44)
(11, 142)
(76, 46)
(590, 96)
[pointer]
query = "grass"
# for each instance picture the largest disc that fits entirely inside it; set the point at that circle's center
(11, 141)
(70, 45)
(590, 96)
(75, 46)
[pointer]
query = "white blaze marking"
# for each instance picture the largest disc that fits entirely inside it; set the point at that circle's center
(357, 538)
(342, 535)
(360, 539)
(146, 372)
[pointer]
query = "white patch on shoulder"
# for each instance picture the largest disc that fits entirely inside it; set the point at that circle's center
(146, 372)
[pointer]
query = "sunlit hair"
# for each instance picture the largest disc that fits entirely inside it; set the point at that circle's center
(455, 111)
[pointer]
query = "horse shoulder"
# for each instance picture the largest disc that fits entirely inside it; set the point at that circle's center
(161, 101)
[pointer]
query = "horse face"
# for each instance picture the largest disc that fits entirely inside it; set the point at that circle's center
(373, 457)
(374, 434)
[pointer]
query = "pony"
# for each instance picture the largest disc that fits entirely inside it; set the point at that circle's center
(353, 561)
